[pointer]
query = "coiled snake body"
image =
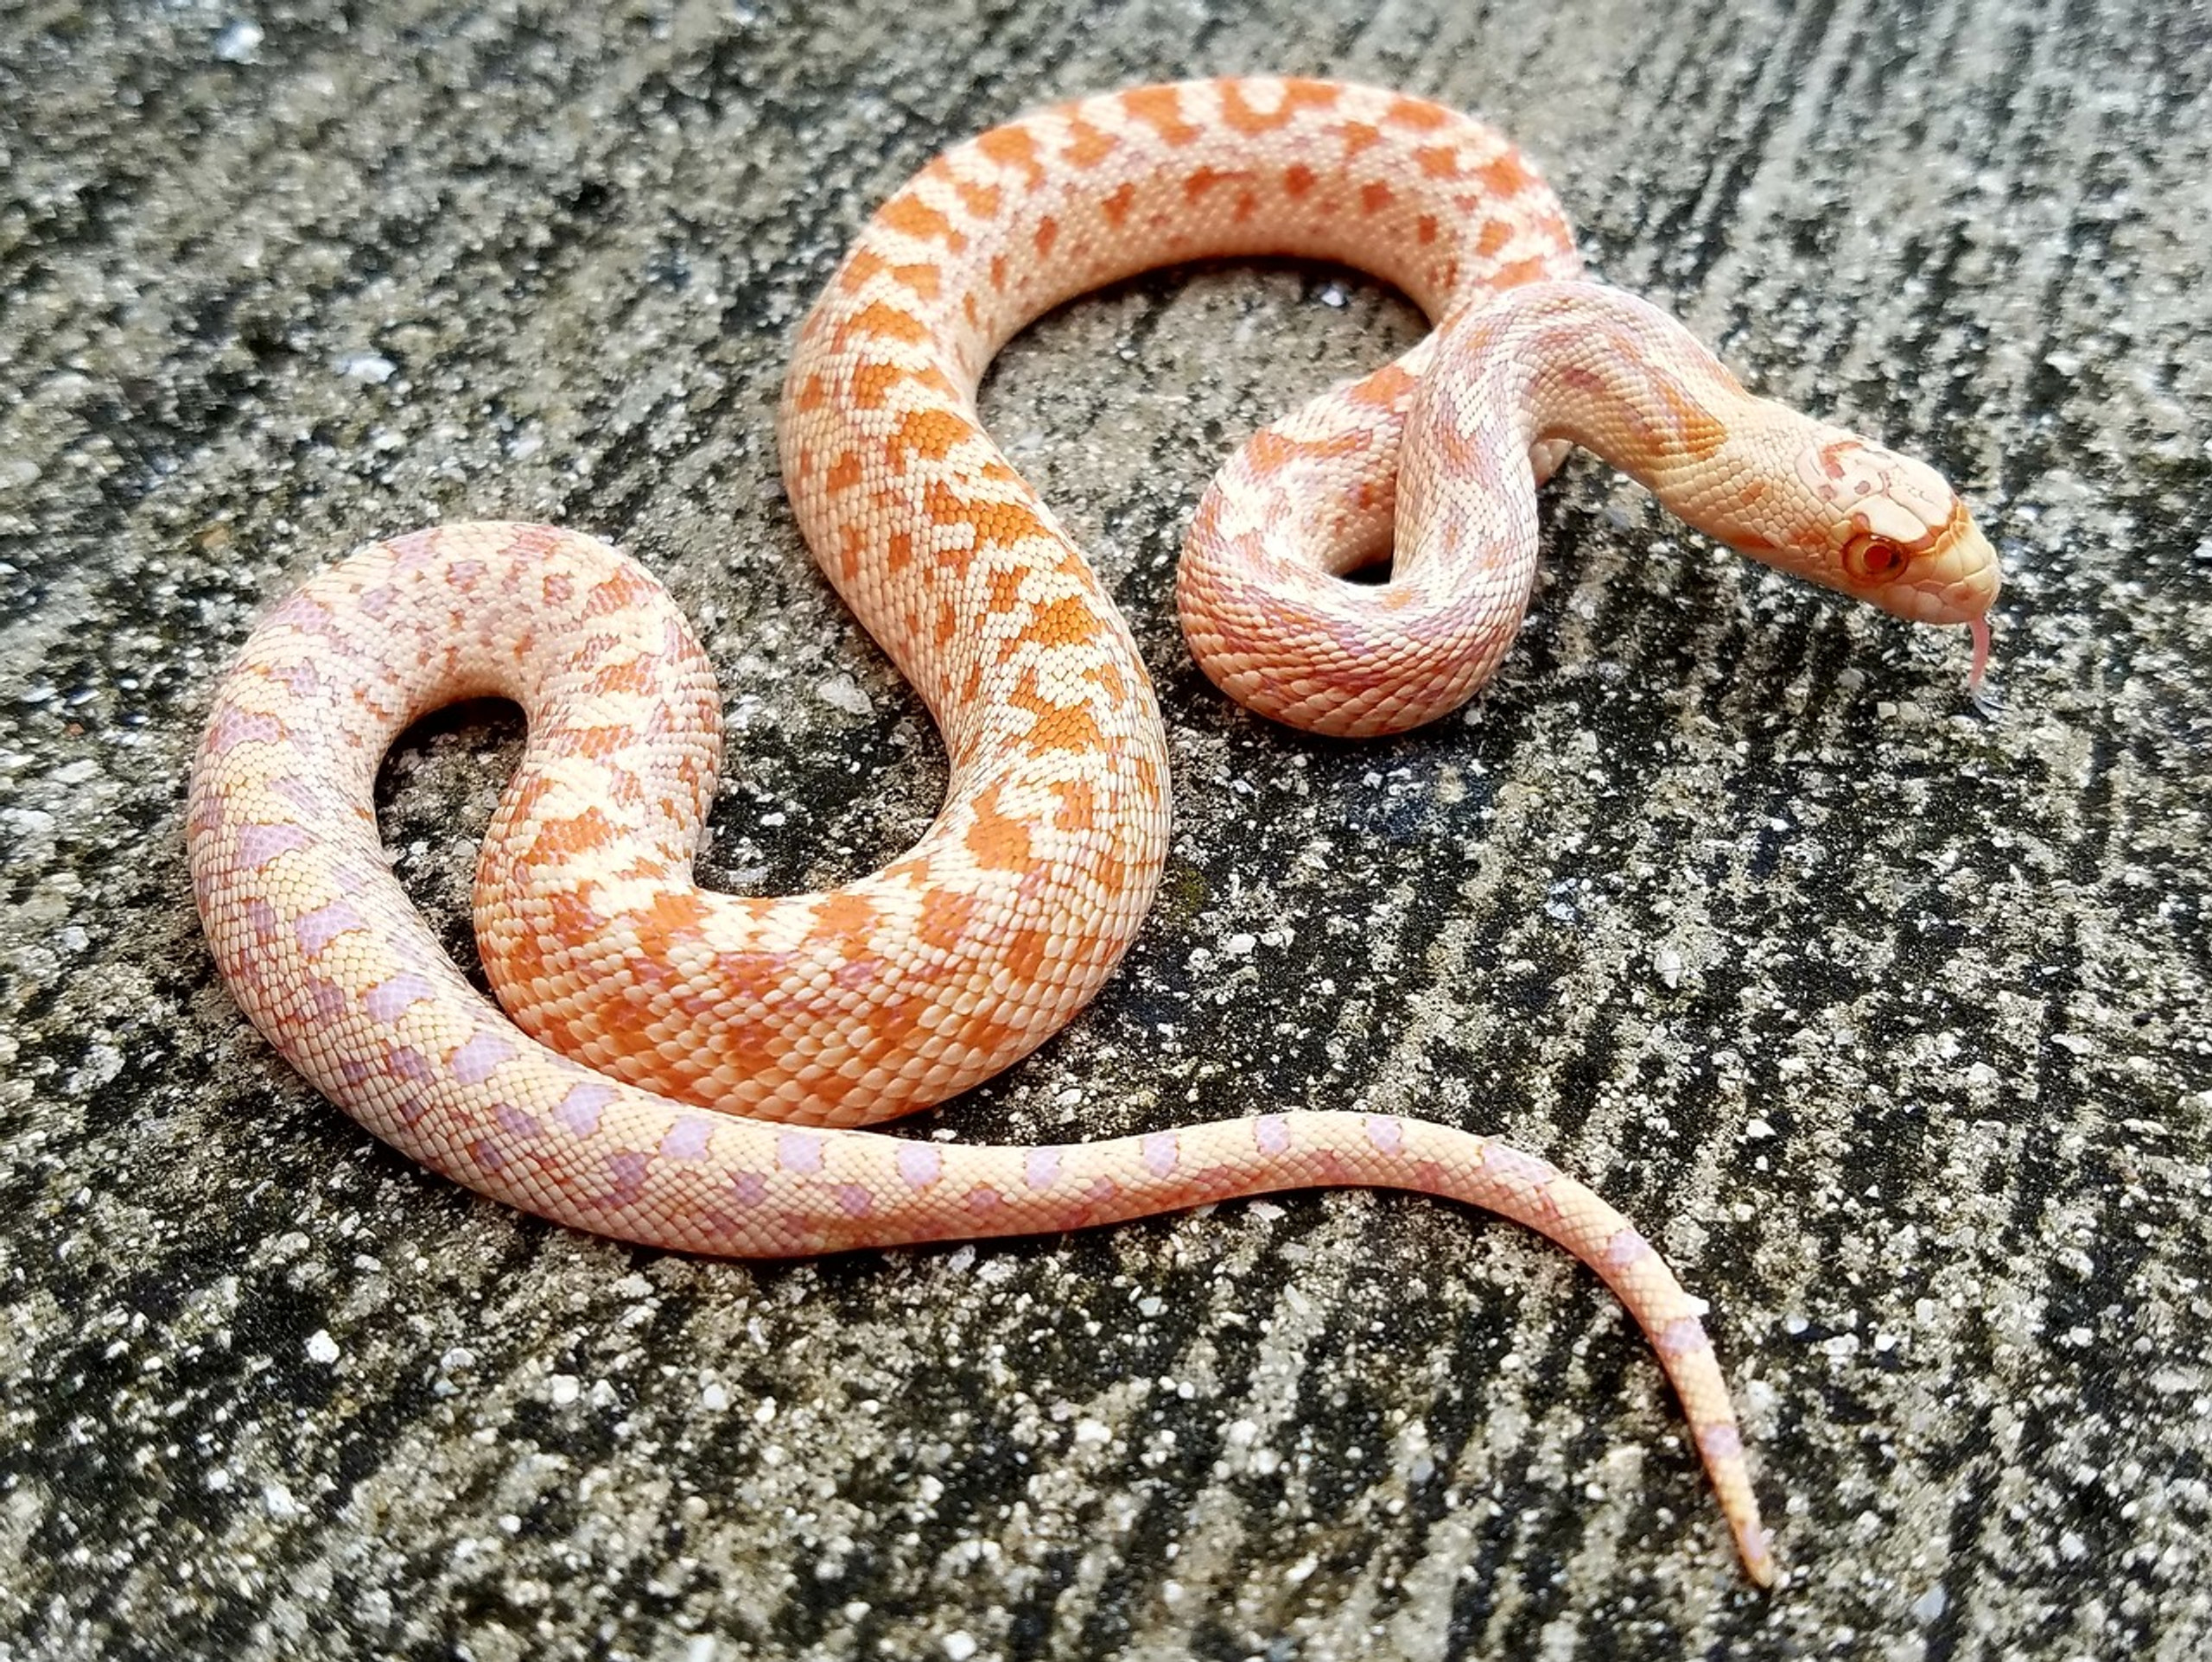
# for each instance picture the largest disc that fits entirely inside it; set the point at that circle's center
(682, 1068)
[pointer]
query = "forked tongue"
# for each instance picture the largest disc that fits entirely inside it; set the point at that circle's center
(1981, 627)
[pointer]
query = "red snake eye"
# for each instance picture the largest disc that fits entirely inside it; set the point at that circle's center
(1873, 559)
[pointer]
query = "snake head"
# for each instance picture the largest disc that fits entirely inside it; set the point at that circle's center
(1887, 530)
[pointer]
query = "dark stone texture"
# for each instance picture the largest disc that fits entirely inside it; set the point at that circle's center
(1887, 1020)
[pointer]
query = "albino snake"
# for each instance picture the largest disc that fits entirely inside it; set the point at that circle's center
(683, 1069)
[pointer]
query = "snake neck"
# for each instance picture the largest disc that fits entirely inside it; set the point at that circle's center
(1583, 363)
(1593, 366)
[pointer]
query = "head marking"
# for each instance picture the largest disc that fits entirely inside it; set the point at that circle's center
(1888, 508)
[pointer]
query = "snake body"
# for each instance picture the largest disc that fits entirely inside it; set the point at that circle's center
(686, 1069)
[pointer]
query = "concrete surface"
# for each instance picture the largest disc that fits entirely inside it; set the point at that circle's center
(1887, 1019)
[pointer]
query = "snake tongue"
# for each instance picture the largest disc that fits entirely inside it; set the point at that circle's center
(1980, 628)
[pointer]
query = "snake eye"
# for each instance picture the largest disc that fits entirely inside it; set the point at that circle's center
(1873, 559)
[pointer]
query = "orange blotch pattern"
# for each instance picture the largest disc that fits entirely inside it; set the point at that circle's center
(884, 322)
(914, 217)
(1000, 841)
(1160, 108)
(1087, 146)
(1013, 147)
(930, 433)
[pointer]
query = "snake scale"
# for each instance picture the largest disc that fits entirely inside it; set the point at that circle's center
(688, 1069)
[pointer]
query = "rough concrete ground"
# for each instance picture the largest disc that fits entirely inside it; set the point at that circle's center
(1887, 1020)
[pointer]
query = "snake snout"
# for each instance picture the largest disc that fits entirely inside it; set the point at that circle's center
(1956, 582)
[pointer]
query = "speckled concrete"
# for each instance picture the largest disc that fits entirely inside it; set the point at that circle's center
(1886, 1019)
